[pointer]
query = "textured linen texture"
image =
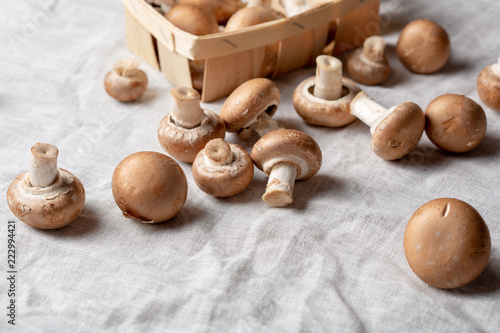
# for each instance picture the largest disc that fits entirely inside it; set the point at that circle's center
(331, 262)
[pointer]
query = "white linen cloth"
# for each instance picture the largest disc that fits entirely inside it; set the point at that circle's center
(331, 262)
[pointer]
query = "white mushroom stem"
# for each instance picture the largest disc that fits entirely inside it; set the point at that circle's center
(43, 165)
(186, 111)
(127, 67)
(328, 83)
(495, 68)
(264, 124)
(294, 7)
(368, 111)
(219, 152)
(280, 185)
(373, 48)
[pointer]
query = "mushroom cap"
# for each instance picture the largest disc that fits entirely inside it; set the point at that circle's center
(193, 19)
(423, 46)
(223, 180)
(249, 16)
(488, 88)
(184, 143)
(318, 111)
(248, 101)
(149, 187)
(221, 9)
(366, 71)
(447, 243)
(288, 146)
(399, 133)
(455, 123)
(48, 207)
(125, 88)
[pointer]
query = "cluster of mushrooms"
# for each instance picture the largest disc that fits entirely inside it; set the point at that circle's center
(446, 242)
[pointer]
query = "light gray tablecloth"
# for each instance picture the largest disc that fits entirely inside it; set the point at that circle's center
(331, 262)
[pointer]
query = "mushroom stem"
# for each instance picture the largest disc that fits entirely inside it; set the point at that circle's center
(368, 111)
(373, 48)
(280, 185)
(219, 152)
(186, 111)
(43, 165)
(495, 68)
(127, 67)
(264, 124)
(328, 84)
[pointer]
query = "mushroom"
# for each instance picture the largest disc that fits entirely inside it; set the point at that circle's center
(46, 196)
(188, 128)
(488, 86)
(368, 65)
(125, 81)
(250, 107)
(162, 6)
(197, 21)
(395, 131)
(455, 123)
(257, 12)
(221, 9)
(423, 46)
(447, 243)
(324, 100)
(149, 187)
(222, 169)
(285, 155)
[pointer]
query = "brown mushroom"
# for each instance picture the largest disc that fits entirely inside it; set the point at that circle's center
(395, 131)
(368, 65)
(188, 128)
(447, 243)
(423, 46)
(46, 197)
(220, 9)
(455, 123)
(251, 106)
(324, 100)
(126, 82)
(149, 187)
(488, 86)
(285, 155)
(222, 169)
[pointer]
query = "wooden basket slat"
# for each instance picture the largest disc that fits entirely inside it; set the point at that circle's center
(140, 41)
(174, 66)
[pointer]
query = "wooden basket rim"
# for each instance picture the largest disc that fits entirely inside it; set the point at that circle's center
(202, 47)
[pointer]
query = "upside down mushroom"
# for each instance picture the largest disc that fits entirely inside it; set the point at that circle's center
(325, 99)
(46, 197)
(368, 65)
(188, 128)
(126, 82)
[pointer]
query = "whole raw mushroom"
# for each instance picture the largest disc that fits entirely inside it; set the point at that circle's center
(220, 9)
(126, 82)
(285, 155)
(423, 46)
(368, 65)
(447, 243)
(395, 131)
(488, 86)
(250, 107)
(455, 123)
(325, 99)
(46, 197)
(222, 169)
(188, 128)
(149, 187)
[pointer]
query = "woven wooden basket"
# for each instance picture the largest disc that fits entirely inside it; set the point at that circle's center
(231, 58)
